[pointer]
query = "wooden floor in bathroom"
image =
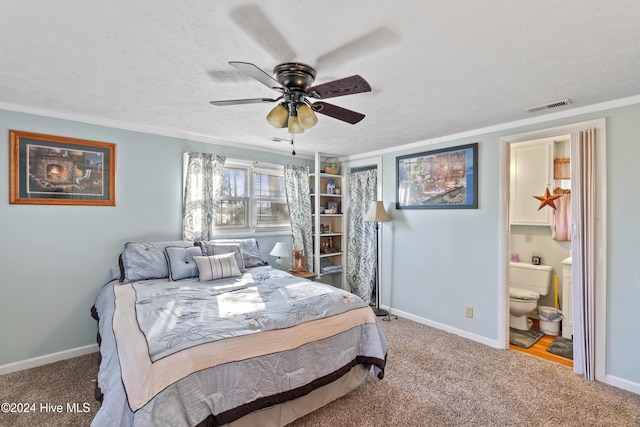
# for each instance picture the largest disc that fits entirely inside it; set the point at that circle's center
(539, 349)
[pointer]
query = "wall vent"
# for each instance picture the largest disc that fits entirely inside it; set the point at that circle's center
(548, 106)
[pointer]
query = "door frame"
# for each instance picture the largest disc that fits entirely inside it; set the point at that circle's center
(600, 337)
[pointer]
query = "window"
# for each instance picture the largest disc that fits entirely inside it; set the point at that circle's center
(270, 202)
(252, 197)
(233, 199)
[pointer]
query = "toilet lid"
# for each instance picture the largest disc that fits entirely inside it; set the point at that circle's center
(523, 294)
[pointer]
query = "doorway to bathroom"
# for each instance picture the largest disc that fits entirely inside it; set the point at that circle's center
(536, 239)
(540, 233)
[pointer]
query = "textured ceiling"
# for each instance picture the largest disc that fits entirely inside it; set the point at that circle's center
(436, 67)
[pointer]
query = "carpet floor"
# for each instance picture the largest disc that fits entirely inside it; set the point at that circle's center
(433, 378)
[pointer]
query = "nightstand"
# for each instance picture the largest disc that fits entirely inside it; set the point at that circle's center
(304, 274)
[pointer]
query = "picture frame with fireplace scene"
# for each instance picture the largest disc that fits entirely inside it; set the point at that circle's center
(56, 170)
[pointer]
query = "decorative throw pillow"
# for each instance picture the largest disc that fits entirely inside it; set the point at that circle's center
(146, 260)
(217, 266)
(180, 261)
(214, 248)
(249, 247)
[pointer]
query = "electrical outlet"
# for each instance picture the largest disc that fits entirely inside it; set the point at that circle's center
(528, 237)
(469, 311)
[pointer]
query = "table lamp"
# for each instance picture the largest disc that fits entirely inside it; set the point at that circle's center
(280, 250)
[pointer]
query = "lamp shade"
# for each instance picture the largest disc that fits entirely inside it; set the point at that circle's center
(376, 212)
(278, 116)
(307, 117)
(280, 250)
(294, 125)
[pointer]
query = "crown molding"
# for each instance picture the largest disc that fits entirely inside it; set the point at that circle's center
(153, 130)
(623, 102)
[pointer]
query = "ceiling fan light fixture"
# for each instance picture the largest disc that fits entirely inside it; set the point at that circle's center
(306, 116)
(294, 81)
(294, 125)
(278, 116)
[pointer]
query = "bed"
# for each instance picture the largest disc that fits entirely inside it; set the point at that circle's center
(208, 334)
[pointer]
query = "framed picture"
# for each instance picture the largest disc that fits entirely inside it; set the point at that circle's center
(325, 227)
(438, 179)
(332, 208)
(54, 170)
(299, 261)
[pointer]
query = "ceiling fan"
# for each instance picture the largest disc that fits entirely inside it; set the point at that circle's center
(294, 110)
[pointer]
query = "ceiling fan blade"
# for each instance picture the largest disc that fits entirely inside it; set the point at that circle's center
(340, 87)
(257, 25)
(336, 112)
(242, 101)
(253, 71)
(366, 44)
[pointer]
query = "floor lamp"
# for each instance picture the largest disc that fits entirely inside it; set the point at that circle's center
(377, 214)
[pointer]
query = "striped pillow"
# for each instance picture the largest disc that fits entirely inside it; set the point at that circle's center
(217, 266)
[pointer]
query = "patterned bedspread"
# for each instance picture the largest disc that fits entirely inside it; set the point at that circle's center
(189, 349)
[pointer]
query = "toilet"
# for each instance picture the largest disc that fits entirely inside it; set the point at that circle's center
(526, 283)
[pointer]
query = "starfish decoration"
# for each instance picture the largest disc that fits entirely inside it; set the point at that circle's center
(547, 199)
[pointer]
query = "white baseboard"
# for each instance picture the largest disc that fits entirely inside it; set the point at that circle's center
(48, 358)
(622, 383)
(447, 328)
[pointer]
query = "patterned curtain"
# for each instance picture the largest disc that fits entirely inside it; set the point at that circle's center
(361, 246)
(296, 179)
(202, 186)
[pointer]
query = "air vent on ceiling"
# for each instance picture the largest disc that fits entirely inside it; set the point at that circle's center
(548, 106)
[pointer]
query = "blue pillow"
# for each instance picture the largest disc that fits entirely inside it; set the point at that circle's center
(225, 248)
(250, 251)
(180, 261)
(146, 260)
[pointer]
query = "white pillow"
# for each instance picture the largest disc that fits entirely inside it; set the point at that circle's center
(217, 266)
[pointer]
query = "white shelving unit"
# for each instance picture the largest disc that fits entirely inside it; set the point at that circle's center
(329, 240)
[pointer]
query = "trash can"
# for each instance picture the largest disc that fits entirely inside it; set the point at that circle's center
(550, 318)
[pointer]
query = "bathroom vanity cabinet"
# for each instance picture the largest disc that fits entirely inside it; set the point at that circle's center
(567, 298)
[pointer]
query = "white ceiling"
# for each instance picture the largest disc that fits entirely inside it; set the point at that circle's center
(436, 67)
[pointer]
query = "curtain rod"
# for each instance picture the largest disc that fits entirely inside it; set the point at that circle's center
(363, 168)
